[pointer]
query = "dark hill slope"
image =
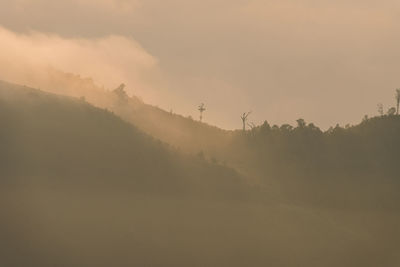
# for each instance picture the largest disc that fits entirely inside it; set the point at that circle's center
(81, 187)
(303, 162)
(184, 133)
(181, 132)
(49, 136)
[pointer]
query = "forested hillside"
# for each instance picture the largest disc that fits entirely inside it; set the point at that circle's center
(81, 186)
(346, 167)
(64, 138)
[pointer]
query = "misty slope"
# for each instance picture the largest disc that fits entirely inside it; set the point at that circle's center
(184, 133)
(81, 187)
(188, 135)
(53, 136)
(303, 162)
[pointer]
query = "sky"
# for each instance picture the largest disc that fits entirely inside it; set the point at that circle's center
(325, 61)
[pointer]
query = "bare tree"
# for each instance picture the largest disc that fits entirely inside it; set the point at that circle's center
(244, 119)
(397, 96)
(201, 109)
(251, 125)
(380, 109)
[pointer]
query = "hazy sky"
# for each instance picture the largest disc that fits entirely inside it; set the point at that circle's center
(325, 61)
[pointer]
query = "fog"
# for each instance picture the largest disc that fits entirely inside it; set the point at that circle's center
(282, 59)
(91, 175)
(81, 186)
(28, 58)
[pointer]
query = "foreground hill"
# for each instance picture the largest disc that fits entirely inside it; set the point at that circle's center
(264, 152)
(183, 133)
(46, 135)
(81, 187)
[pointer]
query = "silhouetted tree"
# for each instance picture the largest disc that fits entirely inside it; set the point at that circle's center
(244, 119)
(397, 100)
(251, 125)
(201, 109)
(120, 92)
(391, 111)
(301, 123)
(286, 128)
(380, 109)
(265, 127)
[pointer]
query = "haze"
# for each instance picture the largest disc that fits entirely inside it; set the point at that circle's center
(281, 59)
(207, 133)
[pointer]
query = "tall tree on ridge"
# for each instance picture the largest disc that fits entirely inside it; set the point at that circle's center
(380, 109)
(244, 119)
(397, 100)
(201, 109)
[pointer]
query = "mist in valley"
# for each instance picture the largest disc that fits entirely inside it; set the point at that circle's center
(121, 147)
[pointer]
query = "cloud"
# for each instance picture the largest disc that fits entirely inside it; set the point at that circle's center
(265, 55)
(25, 58)
(119, 6)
